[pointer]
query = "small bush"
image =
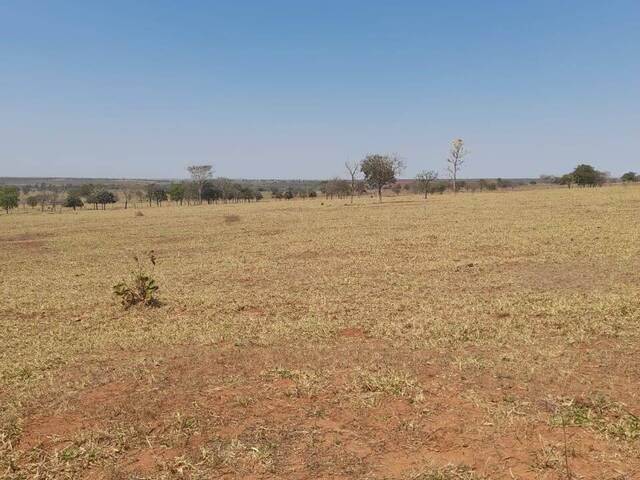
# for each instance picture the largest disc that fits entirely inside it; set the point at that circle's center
(139, 213)
(141, 289)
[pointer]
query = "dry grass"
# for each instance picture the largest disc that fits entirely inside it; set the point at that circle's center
(306, 338)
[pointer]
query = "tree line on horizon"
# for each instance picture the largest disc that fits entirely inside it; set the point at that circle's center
(375, 172)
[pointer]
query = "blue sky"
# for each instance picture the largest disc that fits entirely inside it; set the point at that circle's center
(292, 89)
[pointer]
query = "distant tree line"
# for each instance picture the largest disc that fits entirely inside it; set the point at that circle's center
(373, 174)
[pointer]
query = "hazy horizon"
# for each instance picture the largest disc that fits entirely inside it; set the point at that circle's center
(291, 90)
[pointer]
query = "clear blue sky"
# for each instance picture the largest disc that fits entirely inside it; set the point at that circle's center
(292, 89)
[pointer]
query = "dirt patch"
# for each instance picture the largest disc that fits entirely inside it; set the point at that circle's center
(27, 241)
(49, 431)
(352, 332)
(295, 413)
(572, 276)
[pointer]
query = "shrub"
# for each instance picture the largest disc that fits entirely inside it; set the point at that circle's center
(141, 289)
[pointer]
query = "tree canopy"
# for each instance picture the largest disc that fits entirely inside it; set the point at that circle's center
(380, 171)
(586, 175)
(9, 197)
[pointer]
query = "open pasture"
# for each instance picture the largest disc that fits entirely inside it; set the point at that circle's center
(487, 335)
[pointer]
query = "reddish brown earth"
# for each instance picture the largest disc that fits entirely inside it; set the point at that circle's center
(255, 407)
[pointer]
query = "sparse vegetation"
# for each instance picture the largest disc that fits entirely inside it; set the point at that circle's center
(141, 288)
(325, 341)
(598, 413)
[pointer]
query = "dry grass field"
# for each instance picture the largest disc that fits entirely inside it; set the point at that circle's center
(477, 336)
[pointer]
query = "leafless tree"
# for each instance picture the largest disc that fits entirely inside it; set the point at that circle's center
(200, 174)
(457, 152)
(127, 194)
(353, 167)
(424, 180)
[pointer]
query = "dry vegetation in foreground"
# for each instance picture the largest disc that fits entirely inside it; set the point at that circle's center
(477, 336)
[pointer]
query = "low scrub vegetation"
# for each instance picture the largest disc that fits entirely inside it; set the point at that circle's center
(141, 288)
(326, 341)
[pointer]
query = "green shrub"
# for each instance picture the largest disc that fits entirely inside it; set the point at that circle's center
(142, 287)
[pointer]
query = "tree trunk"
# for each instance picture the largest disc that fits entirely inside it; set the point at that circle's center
(380, 194)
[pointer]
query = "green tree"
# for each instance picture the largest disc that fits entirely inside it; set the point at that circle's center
(585, 175)
(630, 177)
(9, 197)
(104, 197)
(73, 200)
(567, 179)
(177, 192)
(380, 171)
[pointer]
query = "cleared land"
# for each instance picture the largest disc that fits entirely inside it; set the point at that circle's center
(489, 335)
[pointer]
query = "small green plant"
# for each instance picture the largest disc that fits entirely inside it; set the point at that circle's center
(141, 289)
(600, 414)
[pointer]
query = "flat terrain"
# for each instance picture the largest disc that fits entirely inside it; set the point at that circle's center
(486, 335)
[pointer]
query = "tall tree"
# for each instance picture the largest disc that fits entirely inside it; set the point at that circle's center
(424, 179)
(353, 167)
(380, 171)
(457, 152)
(200, 174)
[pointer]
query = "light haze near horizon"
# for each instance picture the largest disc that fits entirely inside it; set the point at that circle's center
(290, 89)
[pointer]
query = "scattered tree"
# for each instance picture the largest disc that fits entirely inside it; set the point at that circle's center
(567, 179)
(380, 171)
(353, 168)
(200, 174)
(104, 197)
(457, 152)
(33, 201)
(127, 194)
(9, 197)
(73, 201)
(424, 180)
(177, 192)
(585, 175)
(630, 177)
